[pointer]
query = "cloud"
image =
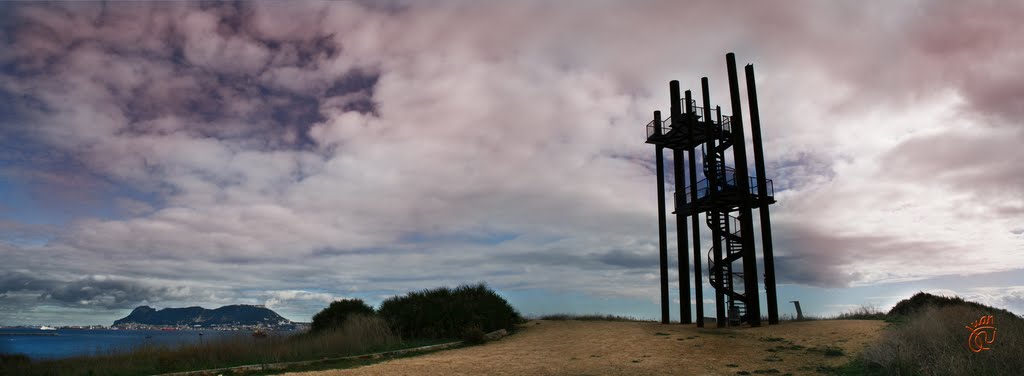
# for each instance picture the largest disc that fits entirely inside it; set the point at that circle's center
(290, 154)
(297, 300)
(978, 161)
(1010, 298)
(92, 291)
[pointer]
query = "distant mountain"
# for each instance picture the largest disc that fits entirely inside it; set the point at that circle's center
(191, 316)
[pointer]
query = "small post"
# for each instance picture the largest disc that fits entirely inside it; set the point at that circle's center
(673, 95)
(657, 122)
(799, 313)
(689, 102)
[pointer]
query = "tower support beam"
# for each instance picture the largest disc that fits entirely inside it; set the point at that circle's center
(662, 232)
(681, 234)
(698, 282)
(762, 192)
(750, 290)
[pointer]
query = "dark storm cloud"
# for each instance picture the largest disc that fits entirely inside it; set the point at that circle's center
(169, 68)
(90, 291)
(810, 256)
(614, 259)
(799, 168)
(629, 260)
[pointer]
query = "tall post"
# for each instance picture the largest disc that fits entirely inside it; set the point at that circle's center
(716, 233)
(681, 236)
(762, 193)
(742, 179)
(698, 282)
(662, 235)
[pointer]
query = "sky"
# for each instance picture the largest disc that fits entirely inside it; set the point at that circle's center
(293, 153)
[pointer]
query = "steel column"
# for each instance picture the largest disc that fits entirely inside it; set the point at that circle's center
(762, 192)
(681, 234)
(716, 233)
(750, 289)
(698, 281)
(662, 234)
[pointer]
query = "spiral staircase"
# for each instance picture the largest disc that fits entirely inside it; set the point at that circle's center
(721, 274)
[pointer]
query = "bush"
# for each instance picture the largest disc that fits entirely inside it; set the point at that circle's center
(473, 335)
(931, 338)
(923, 301)
(334, 315)
(447, 313)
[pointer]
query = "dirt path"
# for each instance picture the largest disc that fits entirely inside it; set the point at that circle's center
(630, 348)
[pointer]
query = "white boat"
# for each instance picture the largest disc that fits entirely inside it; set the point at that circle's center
(44, 327)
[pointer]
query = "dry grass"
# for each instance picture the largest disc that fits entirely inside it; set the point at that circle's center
(577, 347)
(586, 317)
(934, 342)
(864, 312)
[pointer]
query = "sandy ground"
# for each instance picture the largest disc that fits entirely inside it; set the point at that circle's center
(631, 348)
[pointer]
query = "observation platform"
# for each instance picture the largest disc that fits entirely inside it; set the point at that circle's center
(691, 130)
(728, 195)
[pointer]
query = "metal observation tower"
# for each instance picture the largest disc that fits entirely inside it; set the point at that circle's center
(726, 196)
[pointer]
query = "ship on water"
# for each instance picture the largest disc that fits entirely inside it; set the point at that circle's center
(45, 327)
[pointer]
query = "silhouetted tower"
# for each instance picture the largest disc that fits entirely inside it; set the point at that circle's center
(726, 196)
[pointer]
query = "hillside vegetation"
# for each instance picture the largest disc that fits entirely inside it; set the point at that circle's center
(345, 328)
(930, 336)
(336, 314)
(465, 312)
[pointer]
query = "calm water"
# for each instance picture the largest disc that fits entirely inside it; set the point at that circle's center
(70, 342)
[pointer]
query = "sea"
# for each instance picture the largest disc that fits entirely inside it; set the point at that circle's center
(63, 343)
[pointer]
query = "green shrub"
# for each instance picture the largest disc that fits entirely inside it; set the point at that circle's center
(334, 315)
(446, 313)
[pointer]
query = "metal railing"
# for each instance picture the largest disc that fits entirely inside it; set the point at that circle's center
(733, 224)
(767, 182)
(729, 183)
(650, 129)
(700, 113)
(667, 124)
(726, 123)
(682, 103)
